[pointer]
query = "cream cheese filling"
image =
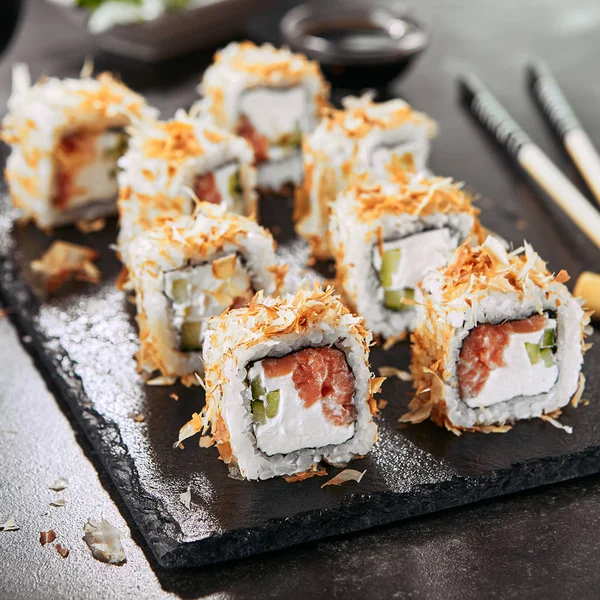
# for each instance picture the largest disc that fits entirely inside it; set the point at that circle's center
(226, 181)
(203, 291)
(274, 112)
(97, 180)
(519, 376)
(419, 253)
(294, 426)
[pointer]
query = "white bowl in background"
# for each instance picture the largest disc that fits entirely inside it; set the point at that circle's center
(175, 33)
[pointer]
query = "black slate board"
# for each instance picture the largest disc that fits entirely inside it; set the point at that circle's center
(86, 338)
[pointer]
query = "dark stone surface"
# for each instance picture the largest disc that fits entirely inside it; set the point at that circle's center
(539, 544)
(80, 315)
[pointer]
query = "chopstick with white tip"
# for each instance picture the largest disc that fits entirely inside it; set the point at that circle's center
(490, 113)
(556, 108)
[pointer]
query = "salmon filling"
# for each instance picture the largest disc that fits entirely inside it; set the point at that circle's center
(221, 186)
(509, 360)
(85, 165)
(202, 291)
(302, 400)
(259, 143)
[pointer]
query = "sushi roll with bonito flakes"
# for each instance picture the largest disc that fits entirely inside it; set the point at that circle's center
(270, 96)
(500, 339)
(386, 236)
(189, 269)
(357, 140)
(66, 136)
(168, 160)
(288, 385)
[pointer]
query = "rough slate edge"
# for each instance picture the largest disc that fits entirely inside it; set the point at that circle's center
(161, 531)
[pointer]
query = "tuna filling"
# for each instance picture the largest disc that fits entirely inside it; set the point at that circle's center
(302, 400)
(404, 262)
(273, 117)
(513, 359)
(86, 167)
(221, 186)
(202, 291)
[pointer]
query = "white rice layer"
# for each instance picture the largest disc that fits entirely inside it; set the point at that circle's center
(275, 174)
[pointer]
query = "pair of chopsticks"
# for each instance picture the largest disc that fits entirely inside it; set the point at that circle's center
(552, 102)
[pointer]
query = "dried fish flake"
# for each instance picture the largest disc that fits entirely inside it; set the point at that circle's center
(91, 226)
(186, 498)
(59, 485)
(315, 472)
(9, 525)
(104, 541)
(567, 428)
(345, 475)
(162, 380)
(64, 261)
(394, 372)
(47, 537)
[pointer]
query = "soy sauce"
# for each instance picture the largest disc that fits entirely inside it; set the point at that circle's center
(364, 36)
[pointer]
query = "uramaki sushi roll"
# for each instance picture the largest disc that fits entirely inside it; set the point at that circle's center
(66, 136)
(270, 96)
(288, 385)
(359, 139)
(192, 268)
(500, 339)
(166, 159)
(385, 237)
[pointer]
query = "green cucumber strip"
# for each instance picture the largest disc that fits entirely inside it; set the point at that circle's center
(295, 140)
(389, 265)
(235, 184)
(190, 336)
(548, 357)
(119, 148)
(394, 299)
(272, 404)
(179, 291)
(548, 338)
(258, 412)
(533, 351)
(258, 391)
(292, 139)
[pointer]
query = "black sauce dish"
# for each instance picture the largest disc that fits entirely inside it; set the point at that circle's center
(359, 43)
